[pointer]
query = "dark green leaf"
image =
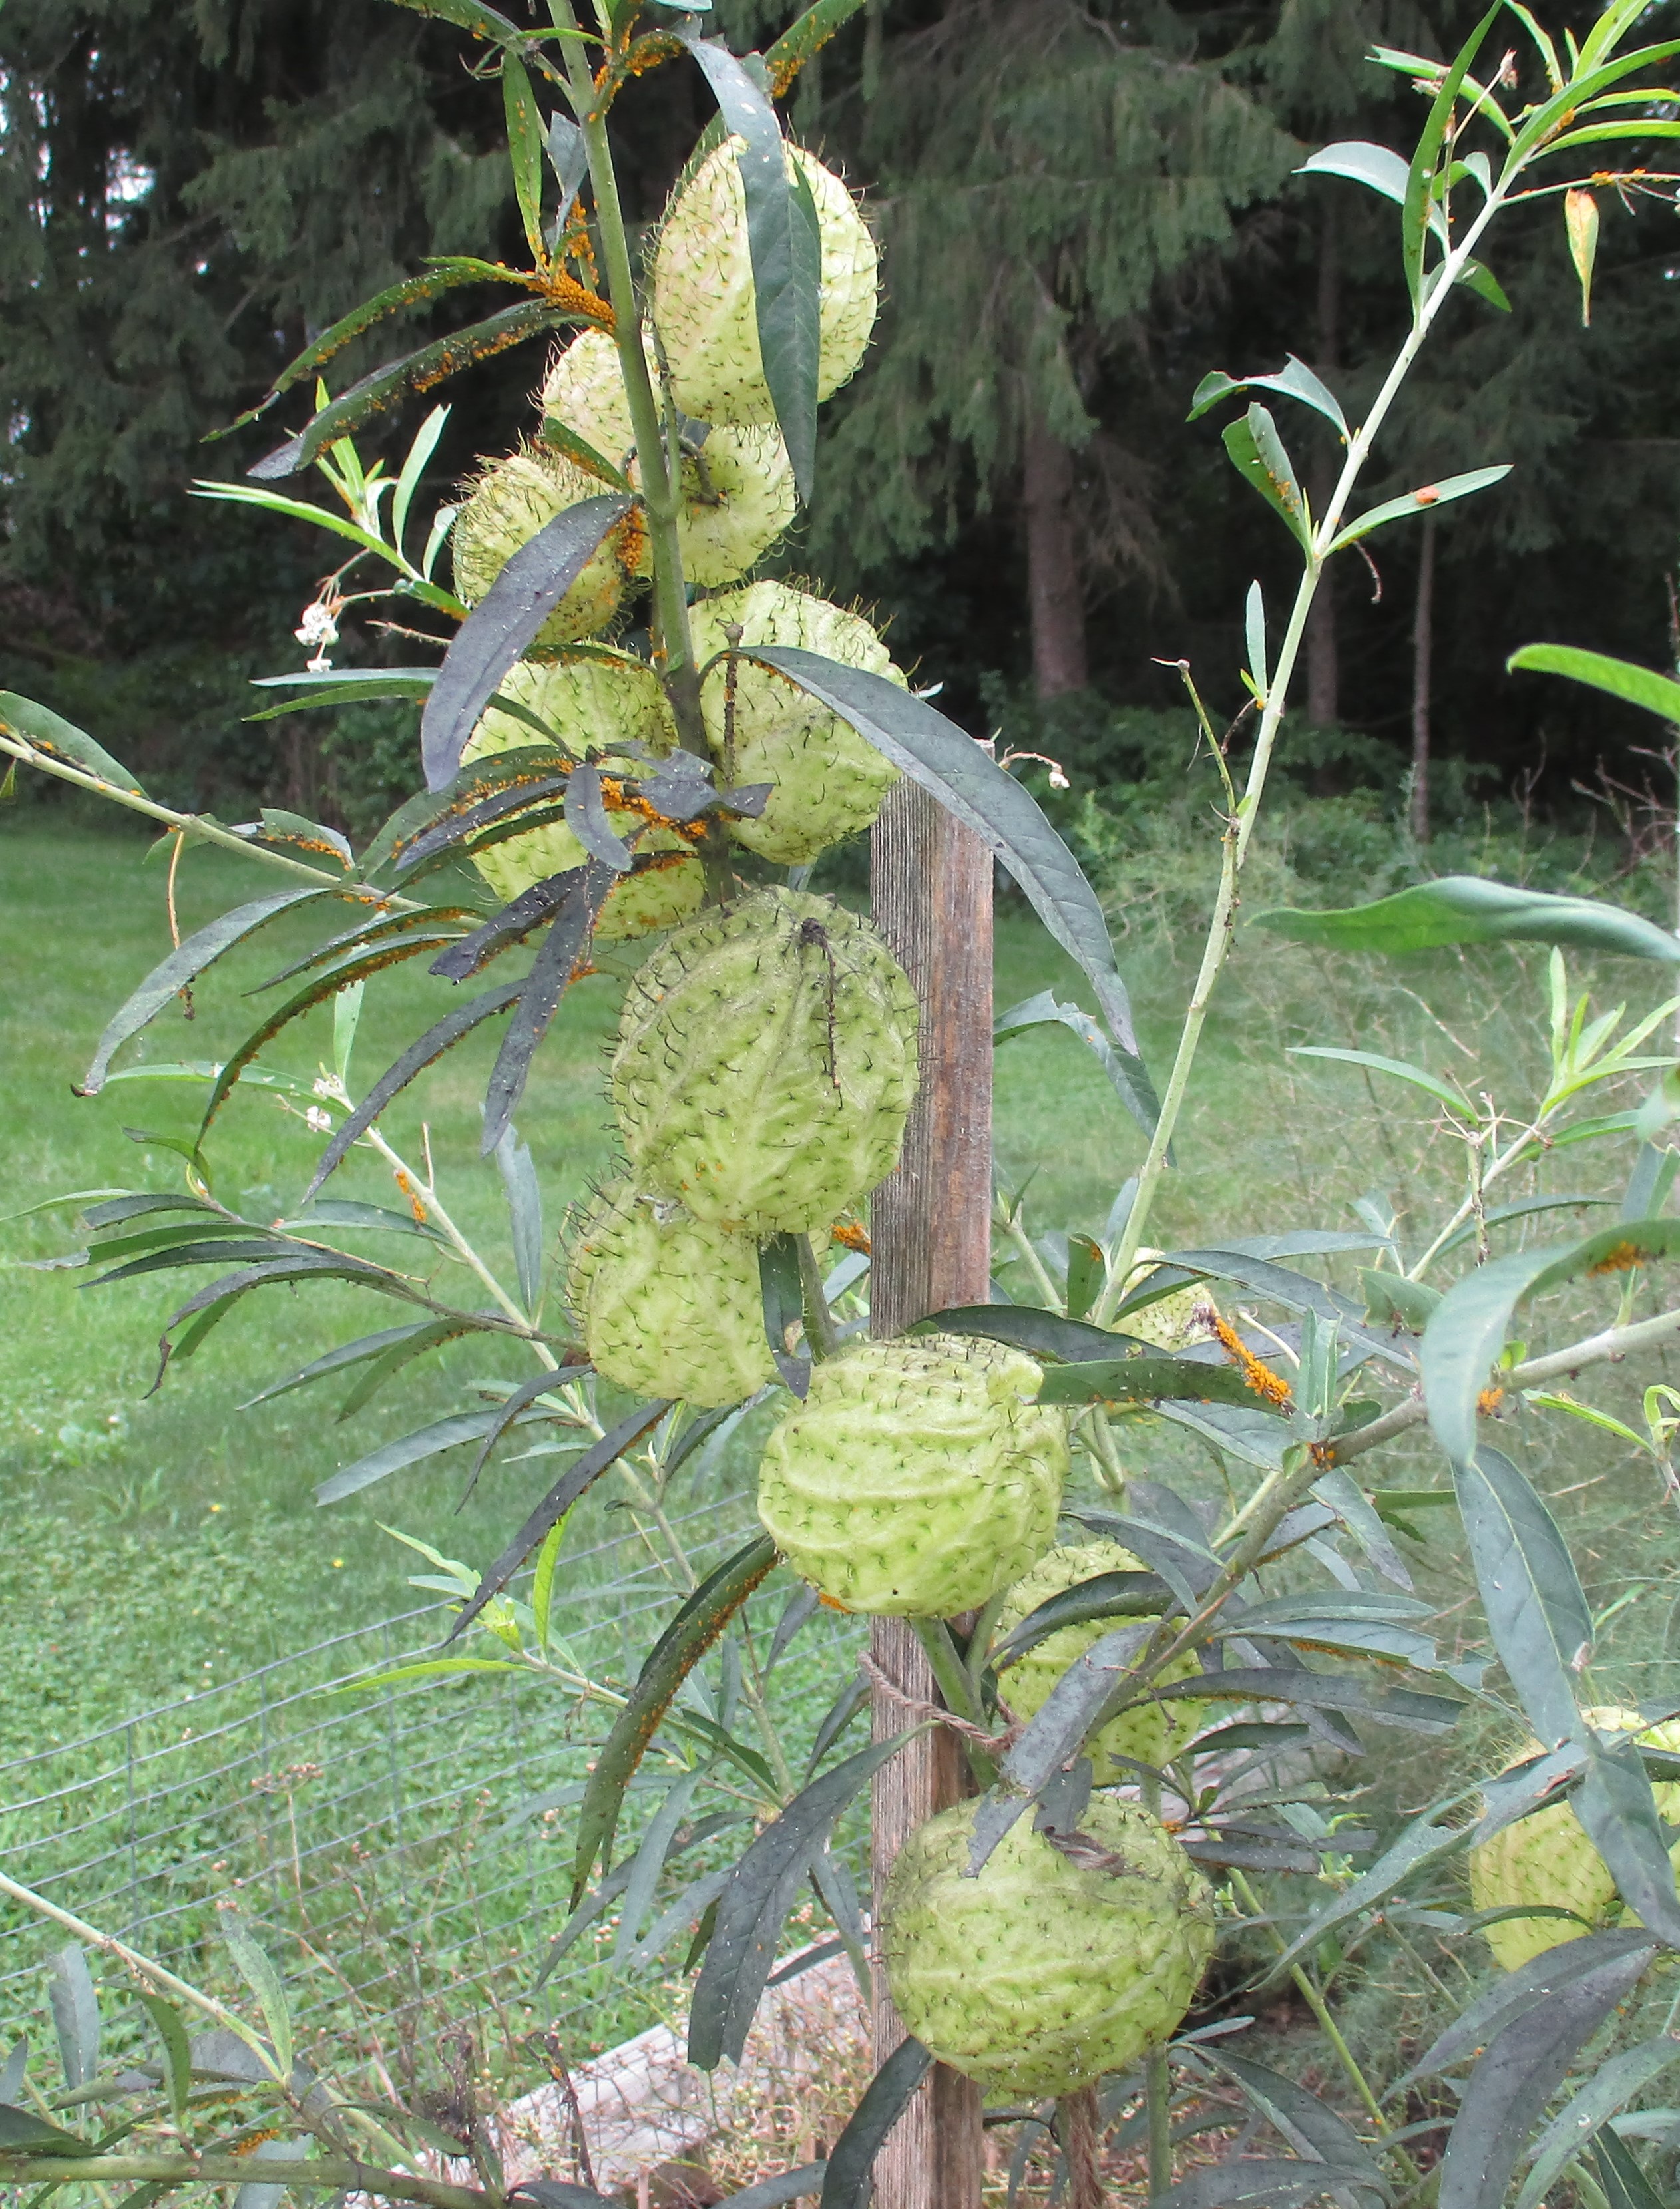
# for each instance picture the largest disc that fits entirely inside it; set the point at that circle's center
(470, 15)
(1420, 211)
(1249, 2182)
(22, 2133)
(1615, 1804)
(504, 623)
(525, 1215)
(1465, 909)
(1422, 1843)
(1423, 500)
(407, 1449)
(413, 1343)
(387, 387)
(1526, 1208)
(1257, 454)
(1306, 2124)
(754, 1906)
(805, 36)
(76, 2016)
(1532, 1986)
(184, 965)
(176, 2051)
(553, 970)
(1295, 380)
(947, 762)
(785, 246)
(1294, 1291)
(673, 1657)
(849, 2179)
(1537, 1613)
(586, 818)
(1625, 2184)
(1105, 1595)
(526, 142)
(1332, 1691)
(1025, 1326)
(782, 1294)
(557, 1503)
(788, 2185)
(1510, 2086)
(256, 1967)
(1045, 1010)
(1622, 678)
(1343, 1494)
(414, 1061)
(515, 921)
(335, 1361)
(1144, 1380)
(50, 733)
(1087, 1271)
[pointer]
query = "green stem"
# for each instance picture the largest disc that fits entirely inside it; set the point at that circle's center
(958, 1689)
(821, 1333)
(1010, 1222)
(462, 1248)
(195, 825)
(337, 2174)
(1238, 836)
(1157, 2105)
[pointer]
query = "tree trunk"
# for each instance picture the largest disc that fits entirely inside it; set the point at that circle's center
(1423, 669)
(931, 882)
(1323, 663)
(1054, 588)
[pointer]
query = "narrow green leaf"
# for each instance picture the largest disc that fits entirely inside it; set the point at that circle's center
(1624, 2183)
(1622, 678)
(76, 2016)
(1295, 380)
(1423, 500)
(413, 467)
(22, 2133)
(349, 1353)
(256, 1967)
(1045, 1010)
(948, 763)
(1422, 1844)
(1443, 1092)
(1465, 909)
(1257, 454)
(407, 1449)
(50, 733)
(526, 139)
(1420, 181)
(1537, 1614)
(849, 2178)
(553, 970)
(176, 2051)
(1146, 1381)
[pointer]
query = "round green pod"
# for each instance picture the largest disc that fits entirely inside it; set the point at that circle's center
(1152, 1733)
(765, 1063)
(667, 1305)
(510, 502)
(1050, 1968)
(918, 1478)
(827, 781)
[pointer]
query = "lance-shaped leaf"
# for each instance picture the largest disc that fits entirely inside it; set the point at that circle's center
(22, 2133)
(948, 763)
(1624, 2183)
(754, 1906)
(805, 37)
(552, 974)
(1615, 1804)
(50, 733)
(184, 965)
(785, 246)
(1249, 2182)
(1258, 455)
(1025, 1326)
(176, 2051)
(697, 1626)
(1306, 2124)
(1144, 1380)
(578, 1476)
(526, 144)
(586, 818)
(1531, 1986)
(1620, 678)
(76, 2016)
(848, 2179)
(1420, 206)
(1423, 1842)
(1423, 500)
(1105, 1595)
(317, 1265)
(388, 386)
(1401, 1707)
(1295, 380)
(256, 1967)
(1045, 1010)
(1465, 909)
(1536, 1610)
(1508, 2091)
(414, 1061)
(1293, 1290)
(365, 1347)
(504, 623)
(528, 911)
(1611, 2088)
(407, 1449)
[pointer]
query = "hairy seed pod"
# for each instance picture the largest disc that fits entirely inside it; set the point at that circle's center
(1152, 1733)
(668, 1305)
(511, 500)
(705, 307)
(1547, 1860)
(1058, 1963)
(738, 484)
(1173, 1322)
(828, 781)
(918, 1478)
(765, 1063)
(600, 706)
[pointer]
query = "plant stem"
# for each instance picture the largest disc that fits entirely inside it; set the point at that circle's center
(1010, 1222)
(1239, 835)
(1158, 2107)
(822, 1335)
(957, 1689)
(340, 2174)
(424, 1194)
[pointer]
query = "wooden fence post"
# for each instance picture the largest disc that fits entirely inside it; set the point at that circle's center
(931, 881)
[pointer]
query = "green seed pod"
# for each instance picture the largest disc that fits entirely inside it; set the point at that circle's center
(1152, 1733)
(737, 487)
(828, 781)
(918, 1478)
(591, 705)
(1173, 1322)
(1050, 1968)
(705, 307)
(766, 1064)
(511, 500)
(1547, 1861)
(667, 1305)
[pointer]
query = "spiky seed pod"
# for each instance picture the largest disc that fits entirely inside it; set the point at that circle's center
(1547, 1860)
(668, 1305)
(738, 488)
(918, 1478)
(828, 781)
(511, 500)
(1173, 1322)
(1152, 1733)
(1055, 1965)
(705, 308)
(600, 706)
(765, 1063)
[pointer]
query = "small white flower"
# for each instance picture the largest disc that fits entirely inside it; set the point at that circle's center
(324, 1085)
(319, 664)
(319, 624)
(316, 1118)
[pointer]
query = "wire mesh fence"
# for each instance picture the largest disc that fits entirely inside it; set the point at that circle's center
(403, 1852)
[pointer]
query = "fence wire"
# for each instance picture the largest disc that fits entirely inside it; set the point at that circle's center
(378, 1843)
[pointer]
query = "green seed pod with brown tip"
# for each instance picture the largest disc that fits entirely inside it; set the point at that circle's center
(828, 781)
(666, 1305)
(705, 305)
(918, 1478)
(1152, 1733)
(1547, 1860)
(511, 500)
(1058, 1963)
(766, 1064)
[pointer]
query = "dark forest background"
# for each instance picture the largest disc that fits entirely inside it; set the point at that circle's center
(1083, 208)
